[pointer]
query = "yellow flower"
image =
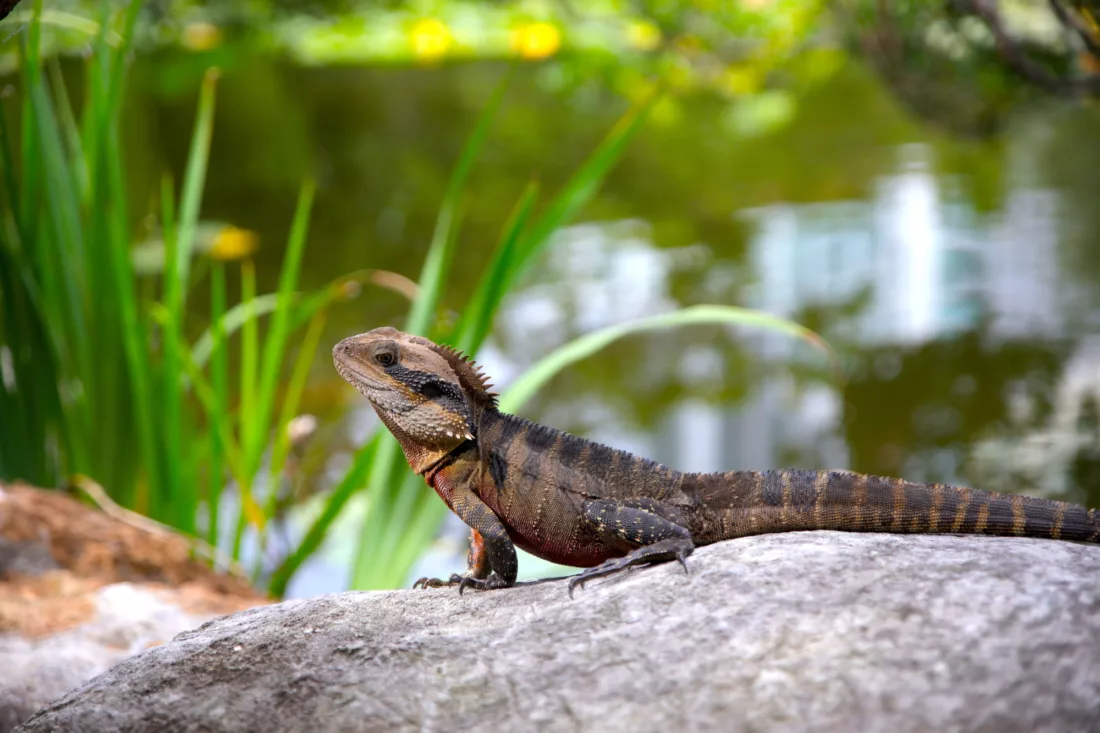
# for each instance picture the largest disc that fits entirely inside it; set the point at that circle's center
(430, 38)
(232, 243)
(536, 40)
(201, 36)
(643, 35)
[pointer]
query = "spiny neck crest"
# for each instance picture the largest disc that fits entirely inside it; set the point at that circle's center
(474, 381)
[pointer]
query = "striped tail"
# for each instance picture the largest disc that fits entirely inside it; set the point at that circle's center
(749, 502)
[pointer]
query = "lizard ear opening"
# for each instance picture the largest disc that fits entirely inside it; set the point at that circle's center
(473, 381)
(440, 420)
(452, 404)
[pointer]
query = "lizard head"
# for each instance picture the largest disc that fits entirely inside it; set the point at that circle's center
(426, 394)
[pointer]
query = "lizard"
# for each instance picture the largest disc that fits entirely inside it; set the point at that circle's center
(576, 502)
(6, 6)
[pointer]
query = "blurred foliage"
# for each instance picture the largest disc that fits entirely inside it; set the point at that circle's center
(965, 64)
(959, 62)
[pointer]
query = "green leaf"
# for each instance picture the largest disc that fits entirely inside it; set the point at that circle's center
(193, 181)
(386, 493)
(439, 253)
(279, 334)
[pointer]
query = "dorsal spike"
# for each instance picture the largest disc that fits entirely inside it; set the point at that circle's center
(471, 377)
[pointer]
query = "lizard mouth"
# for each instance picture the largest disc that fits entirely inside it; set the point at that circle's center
(363, 383)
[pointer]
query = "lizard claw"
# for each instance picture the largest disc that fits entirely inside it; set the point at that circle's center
(574, 582)
(681, 557)
(491, 583)
(605, 568)
(670, 549)
(455, 579)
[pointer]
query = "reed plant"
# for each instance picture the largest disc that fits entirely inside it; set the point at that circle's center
(101, 377)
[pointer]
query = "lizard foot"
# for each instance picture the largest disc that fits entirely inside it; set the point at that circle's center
(463, 582)
(493, 582)
(455, 579)
(663, 551)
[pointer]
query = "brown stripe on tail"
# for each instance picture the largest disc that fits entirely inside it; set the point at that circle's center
(779, 501)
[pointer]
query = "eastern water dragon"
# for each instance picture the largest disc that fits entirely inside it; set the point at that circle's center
(575, 502)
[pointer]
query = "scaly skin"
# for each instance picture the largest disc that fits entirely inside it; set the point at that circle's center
(576, 502)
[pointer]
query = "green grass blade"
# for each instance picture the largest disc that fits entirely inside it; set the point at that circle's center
(97, 115)
(51, 231)
(137, 391)
(385, 491)
(249, 352)
(31, 46)
(349, 484)
(7, 168)
(421, 526)
(117, 80)
(73, 144)
(293, 398)
(219, 406)
(205, 394)
(580, 188)
(109, 223)
(279, 333)
(281, 446)
(231, 321)
(386, 525)
(435, 264)
(477, 318)
(249, 349)
(194, 178)
(170, 389)
(582, 347)
(305, 307)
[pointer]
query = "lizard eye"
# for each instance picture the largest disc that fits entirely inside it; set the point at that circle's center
(385, 358)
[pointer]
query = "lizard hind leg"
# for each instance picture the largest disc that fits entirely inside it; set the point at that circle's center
(639, 523)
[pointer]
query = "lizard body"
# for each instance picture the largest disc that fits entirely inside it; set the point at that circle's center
(575, 502)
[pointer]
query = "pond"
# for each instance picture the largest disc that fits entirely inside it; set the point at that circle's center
(957, 278)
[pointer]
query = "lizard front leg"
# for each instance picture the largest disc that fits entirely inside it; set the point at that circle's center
(477, 565)
(644, 524)
(492, 561)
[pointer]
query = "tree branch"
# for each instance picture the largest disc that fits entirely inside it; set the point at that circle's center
(1074, 21)
(1024, 65)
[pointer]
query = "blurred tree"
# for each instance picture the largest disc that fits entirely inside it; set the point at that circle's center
(964, 64)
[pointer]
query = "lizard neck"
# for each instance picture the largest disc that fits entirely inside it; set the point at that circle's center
(422, 457)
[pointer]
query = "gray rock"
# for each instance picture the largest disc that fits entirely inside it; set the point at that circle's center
(126, 618)
(814, 631)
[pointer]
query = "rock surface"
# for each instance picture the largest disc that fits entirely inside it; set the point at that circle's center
(81, 590)
(115, 622)
(814, 631)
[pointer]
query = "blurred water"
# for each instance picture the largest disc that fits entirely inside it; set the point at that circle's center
(957, 279)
